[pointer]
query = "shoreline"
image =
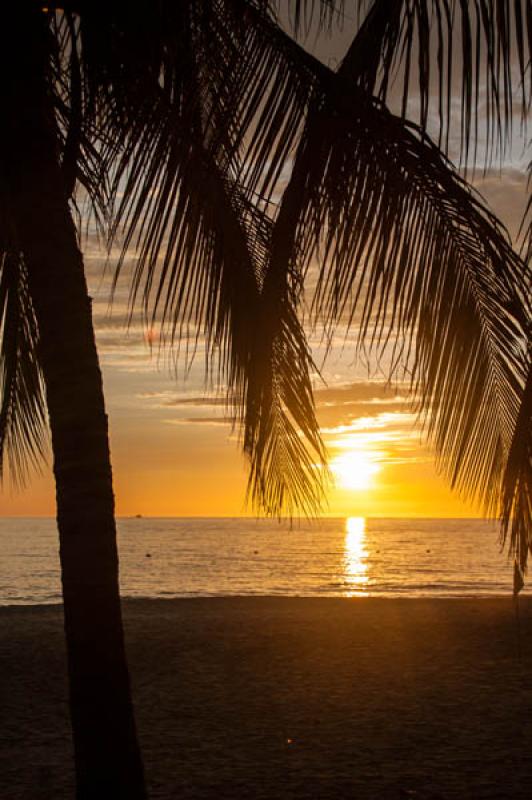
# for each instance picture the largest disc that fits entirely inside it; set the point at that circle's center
(273, 698)
(524, 599)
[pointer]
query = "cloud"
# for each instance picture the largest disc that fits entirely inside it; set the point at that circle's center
(202, 421)
(342, 405)
(198, 401)
(506, 193)
(359, 391)
(168, 399)
(371, 417)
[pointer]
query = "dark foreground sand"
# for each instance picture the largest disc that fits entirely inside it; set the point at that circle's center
(291, 698)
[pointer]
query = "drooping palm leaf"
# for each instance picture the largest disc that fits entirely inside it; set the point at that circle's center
(22, 404)
(282, 443)
(432, 278)
(210, 275)
(517, 487)
(220, 295)
(213, 243)
(159, 96)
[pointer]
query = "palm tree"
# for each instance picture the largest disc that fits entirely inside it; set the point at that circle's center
(178, 122)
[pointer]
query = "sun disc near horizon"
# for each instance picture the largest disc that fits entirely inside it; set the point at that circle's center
(355, 469)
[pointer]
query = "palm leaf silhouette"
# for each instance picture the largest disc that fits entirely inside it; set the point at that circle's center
(413, 256)
(202, 253)
(517, 487)
(436, 49)
(22, 405)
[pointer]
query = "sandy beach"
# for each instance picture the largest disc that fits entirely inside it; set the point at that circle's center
(290, 698)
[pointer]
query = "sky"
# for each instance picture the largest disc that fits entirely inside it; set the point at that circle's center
(174, 453)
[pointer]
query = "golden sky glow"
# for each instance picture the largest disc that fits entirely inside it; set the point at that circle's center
(174, 454)
(379, 462)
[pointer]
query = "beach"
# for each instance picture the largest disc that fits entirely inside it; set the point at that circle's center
(290, 698)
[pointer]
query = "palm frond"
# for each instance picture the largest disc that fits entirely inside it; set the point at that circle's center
(429, 272)
(201, 247)
(517, 487)
(430, 45)
(435, 282)
(81, 160)
(22, 403)
(282, 433)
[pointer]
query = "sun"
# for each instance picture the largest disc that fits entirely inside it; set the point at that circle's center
(355, 469)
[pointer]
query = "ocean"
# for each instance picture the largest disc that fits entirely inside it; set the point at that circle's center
(178, 557)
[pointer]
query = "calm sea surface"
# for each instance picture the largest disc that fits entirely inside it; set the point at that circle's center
(337, 557)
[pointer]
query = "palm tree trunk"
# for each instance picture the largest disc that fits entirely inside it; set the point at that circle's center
(108, 762)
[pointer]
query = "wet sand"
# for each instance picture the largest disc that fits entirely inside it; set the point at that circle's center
(284, 698)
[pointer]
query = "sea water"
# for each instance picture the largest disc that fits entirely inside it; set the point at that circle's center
(351, 557)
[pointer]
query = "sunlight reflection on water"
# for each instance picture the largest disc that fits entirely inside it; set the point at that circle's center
(355, 556)
(335, 557)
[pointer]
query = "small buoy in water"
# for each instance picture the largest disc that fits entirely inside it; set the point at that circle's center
(428, 551)
(256, 552)
(148, 555)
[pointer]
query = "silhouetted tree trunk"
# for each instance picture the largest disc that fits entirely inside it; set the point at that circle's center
(108, 762)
